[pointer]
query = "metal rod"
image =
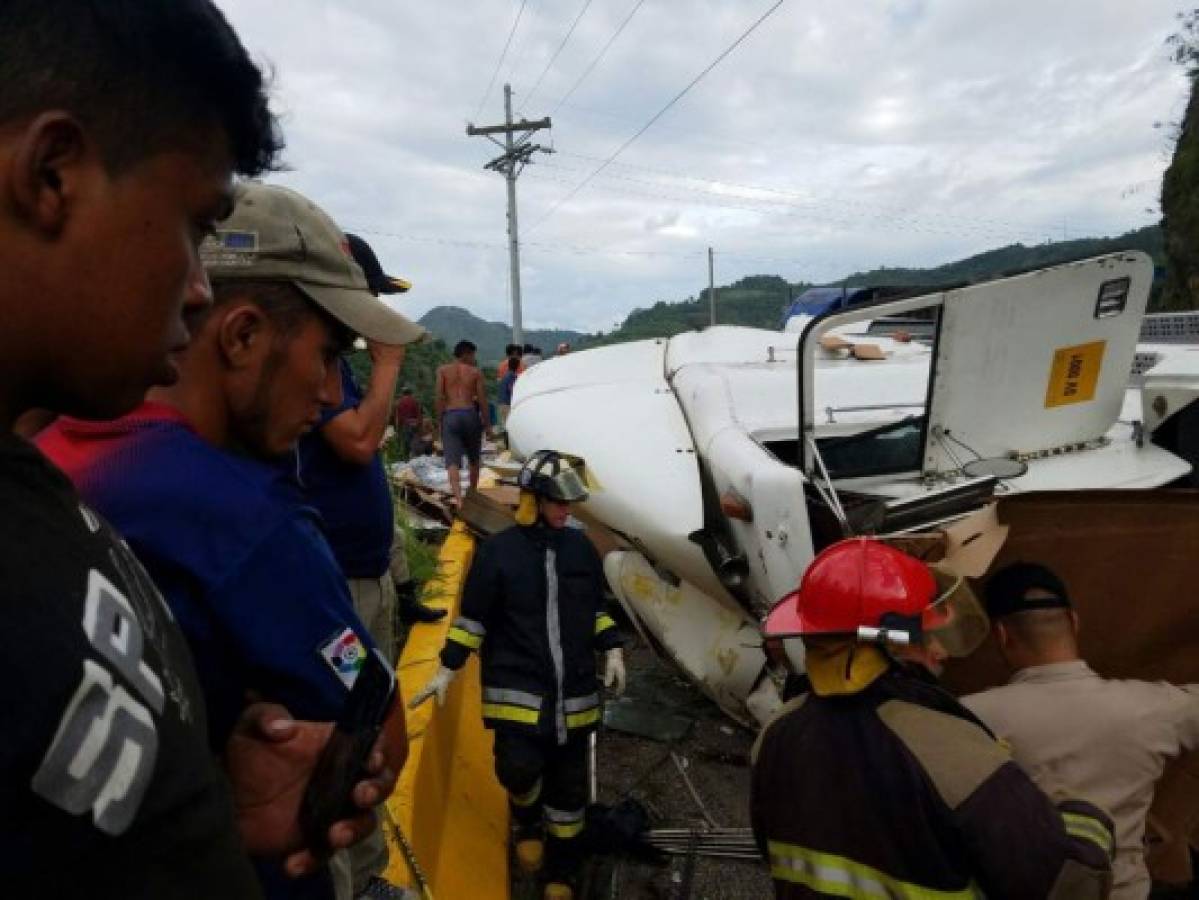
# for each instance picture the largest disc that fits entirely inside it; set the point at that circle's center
(831, 410)
(678, 764)
(716, 854)
(592, 769)
(409, 854)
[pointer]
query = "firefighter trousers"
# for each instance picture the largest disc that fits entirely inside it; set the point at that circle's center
(546, 781)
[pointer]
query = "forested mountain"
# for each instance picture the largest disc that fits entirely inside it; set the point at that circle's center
(453, 324)
(759, 300)
(1016, 258)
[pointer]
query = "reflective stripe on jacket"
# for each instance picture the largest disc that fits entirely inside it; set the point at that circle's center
(898, 792)
(533, 608)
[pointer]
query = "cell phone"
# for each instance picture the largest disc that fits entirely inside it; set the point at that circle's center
(343, 762)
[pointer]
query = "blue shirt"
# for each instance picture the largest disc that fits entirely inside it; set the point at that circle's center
(241, 561)
(503, 394)
(354, 500)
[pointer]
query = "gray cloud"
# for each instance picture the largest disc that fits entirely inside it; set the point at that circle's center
(838, 137)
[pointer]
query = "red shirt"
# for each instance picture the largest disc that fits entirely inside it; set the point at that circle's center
(502, 370)
(407, 410)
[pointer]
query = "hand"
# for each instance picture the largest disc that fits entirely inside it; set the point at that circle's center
(269, 760)
(438, 685)
(614, 675)
(383, 355)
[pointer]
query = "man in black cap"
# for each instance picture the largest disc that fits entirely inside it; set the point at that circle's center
(1070, 729)
(342, 474)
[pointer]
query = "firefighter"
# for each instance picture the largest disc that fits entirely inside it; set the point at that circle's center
(533, 607)
(879, 783)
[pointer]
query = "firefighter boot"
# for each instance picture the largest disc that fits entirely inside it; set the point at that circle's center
(530, 854)
(556, 890)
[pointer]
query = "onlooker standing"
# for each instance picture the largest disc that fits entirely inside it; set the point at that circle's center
(532, 356)
(424, 437)
(511, 351)
(462, 409)
(121, 124)
(191, 477)
(406, 420)
(563, 349)
(340, 470)
(509, 369)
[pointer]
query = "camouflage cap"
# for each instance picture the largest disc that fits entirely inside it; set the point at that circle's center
(276, 234)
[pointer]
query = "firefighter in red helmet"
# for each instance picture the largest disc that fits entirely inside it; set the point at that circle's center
(877, 782)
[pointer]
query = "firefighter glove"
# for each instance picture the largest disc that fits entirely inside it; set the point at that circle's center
(614, 674)
(439, 684)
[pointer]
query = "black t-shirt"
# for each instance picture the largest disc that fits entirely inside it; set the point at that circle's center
(107, 785)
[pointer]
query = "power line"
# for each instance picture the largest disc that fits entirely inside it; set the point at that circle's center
(561, 249)
(677, 97)
(595, 62)
(783, 208)
(832, 211)
(998, 225)
(549, 65)
(508, 43)
(520, 46)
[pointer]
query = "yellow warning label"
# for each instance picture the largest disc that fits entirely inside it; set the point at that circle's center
(1074, 374)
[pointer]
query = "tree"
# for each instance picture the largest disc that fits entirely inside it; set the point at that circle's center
(1180, 184)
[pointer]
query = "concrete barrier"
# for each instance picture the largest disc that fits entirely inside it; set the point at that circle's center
(448, 802)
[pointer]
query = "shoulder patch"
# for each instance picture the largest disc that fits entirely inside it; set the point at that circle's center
(345, 655)
(957, 755)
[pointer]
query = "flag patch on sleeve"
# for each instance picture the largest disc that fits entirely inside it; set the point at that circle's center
(345, 655)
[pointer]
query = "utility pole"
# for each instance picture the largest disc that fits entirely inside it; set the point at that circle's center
(517, 154)
(711, 288)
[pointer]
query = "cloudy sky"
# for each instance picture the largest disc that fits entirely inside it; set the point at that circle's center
(838, 136)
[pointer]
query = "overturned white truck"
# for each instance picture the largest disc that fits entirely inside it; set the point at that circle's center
(725, 459)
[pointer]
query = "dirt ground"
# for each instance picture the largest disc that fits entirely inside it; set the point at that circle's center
(716, 755)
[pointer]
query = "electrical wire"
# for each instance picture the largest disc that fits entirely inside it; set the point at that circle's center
(518, 57)
(549, 65)
(569, 249)
(677, 97)
(595, 62)
(832, 211)
(996, 225)
(508, 43)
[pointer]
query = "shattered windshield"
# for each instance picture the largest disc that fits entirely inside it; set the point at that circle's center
(895, 447)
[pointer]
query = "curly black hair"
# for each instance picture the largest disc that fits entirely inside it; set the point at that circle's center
(142, 76)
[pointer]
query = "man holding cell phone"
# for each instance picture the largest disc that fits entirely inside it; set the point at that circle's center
(189, 478)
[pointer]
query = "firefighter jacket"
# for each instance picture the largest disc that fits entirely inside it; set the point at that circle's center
(533, 607)
(898, 791)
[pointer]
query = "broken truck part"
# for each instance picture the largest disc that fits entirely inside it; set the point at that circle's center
(726, 459)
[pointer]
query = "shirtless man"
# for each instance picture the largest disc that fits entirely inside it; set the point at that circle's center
(462, 412)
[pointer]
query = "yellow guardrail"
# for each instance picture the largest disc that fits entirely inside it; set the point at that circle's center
(448, 803)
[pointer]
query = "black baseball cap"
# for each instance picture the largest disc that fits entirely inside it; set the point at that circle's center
(379, 282)
(1007, 590)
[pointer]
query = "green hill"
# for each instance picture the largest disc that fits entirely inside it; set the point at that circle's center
(1016, 258)
(452, 324)
(759, 300)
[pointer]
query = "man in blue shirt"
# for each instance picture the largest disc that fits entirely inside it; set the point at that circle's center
(340, 472)
(189, 478)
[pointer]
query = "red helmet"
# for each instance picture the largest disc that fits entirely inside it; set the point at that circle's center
(855, 583)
